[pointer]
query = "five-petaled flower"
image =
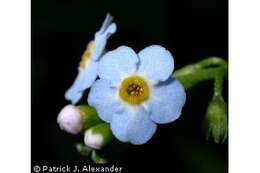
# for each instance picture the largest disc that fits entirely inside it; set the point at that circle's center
(89, 62)
(136, 91)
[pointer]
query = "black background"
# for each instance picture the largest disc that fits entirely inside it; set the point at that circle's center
(191, 30)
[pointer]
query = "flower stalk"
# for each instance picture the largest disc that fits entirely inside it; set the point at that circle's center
(207, 69)
(215, 123)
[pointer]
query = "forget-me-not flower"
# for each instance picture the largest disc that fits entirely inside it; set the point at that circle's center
(136, 91)
(88, 65)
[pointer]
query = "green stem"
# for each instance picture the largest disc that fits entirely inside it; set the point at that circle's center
(207, 69)
(211, 62)
(218, 85)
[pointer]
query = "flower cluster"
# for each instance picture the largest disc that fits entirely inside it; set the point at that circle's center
(134, 92)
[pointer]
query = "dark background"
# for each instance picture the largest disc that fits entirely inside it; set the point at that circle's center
(191, 30)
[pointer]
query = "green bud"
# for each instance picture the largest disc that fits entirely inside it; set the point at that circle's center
(89, 116)
(98, 136)
(83, 149)
(97, 158)
(215, 122)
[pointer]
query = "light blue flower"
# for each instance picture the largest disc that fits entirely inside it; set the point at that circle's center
(88, 66)
(136, 91)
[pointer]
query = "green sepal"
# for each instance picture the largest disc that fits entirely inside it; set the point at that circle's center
(215, 123)
(89, 116)
(104, 130)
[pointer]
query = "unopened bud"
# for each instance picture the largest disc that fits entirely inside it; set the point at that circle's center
(75, 119)
(70, 120)
(98, 136)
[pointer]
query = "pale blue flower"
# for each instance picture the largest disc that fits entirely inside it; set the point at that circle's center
(136, 91)
(88, 66)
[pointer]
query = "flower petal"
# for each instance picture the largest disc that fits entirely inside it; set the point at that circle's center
(167, 100)
(156, 63)
(133, 125)
(101, 41)
(84, 80)
(104, 99)
(105, 23)
(115, 64)
(107, 29)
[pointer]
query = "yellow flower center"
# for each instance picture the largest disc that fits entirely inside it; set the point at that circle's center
(86, 55)
(134, 90)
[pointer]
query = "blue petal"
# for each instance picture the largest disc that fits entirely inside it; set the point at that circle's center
(106, 23)
(84, 80)
(101, 41)
(133, 125)
(107, 29)
(104, 99)
(118, 63)
(73, 95)
(156, 63)
(167, 101)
